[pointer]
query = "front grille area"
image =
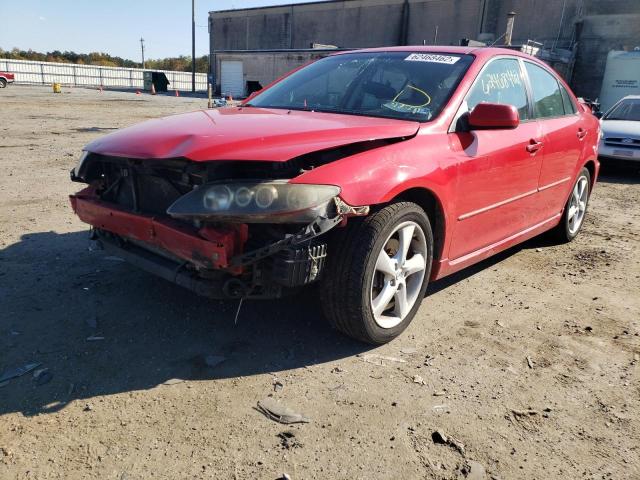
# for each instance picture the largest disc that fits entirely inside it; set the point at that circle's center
(624, 142)
(151, 186)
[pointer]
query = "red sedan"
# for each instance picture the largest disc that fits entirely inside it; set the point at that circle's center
(368, 172)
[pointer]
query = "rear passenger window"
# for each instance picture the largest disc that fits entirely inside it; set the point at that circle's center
(547, 99)
(569, 106)
(500, 82)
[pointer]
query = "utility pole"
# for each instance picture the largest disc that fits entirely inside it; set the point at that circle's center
(193, 45)
(142, 47)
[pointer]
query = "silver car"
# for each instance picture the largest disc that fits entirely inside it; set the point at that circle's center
(621, 130)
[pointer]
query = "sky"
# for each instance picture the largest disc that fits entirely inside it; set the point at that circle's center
(112, 26)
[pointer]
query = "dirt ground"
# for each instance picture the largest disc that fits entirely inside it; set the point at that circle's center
(529, 360)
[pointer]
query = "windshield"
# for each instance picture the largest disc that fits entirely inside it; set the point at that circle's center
(402, 85)
(625, 110)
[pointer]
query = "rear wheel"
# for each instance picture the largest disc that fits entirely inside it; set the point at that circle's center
(3, 83)
(377, 274)
(576, 208)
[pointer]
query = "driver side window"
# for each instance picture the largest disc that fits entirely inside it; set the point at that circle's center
(501, 82)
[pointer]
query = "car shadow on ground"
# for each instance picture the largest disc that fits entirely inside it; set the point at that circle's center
(102, 327)
(619, 171)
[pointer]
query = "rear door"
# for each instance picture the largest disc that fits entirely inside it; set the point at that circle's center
(498, 170)
(564, 135)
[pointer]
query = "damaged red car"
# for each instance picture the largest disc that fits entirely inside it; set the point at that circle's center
(366, 173)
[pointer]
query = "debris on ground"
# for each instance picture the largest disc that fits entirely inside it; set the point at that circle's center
(87, 408)
(173, 381)
(408, 350)
(376, 359)
(337, 370)
(5, 452)
(277, 385)
(285, 476)
(42, 376)
(279, 412)
(440, 393)
(530, 362)
(18, 371)
(524, 413)
(288, 440)
(418, 379)
(440, 408)
(441, 438)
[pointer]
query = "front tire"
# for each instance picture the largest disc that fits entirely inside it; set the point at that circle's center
(377, 273)
(576, 208)
(3, 83)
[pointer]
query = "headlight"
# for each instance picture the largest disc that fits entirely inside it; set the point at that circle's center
(256, 202)
(83, 157)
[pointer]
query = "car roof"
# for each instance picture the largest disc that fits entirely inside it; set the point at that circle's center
(480, 52)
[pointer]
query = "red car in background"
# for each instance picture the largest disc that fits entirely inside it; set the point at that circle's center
(6, 78)
(368, 172)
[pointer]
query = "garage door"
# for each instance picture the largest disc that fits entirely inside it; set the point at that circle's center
(232, 78)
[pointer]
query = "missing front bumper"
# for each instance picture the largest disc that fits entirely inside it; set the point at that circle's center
(209, 261)
(206, 248)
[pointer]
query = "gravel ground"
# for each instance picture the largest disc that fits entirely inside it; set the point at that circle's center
(529, 360)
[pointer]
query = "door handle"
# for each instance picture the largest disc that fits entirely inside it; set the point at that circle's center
(534, 146)
(582, 133)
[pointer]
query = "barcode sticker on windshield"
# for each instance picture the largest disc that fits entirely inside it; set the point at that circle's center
(430, 57)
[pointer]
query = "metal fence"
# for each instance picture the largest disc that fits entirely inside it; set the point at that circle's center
(44, 73)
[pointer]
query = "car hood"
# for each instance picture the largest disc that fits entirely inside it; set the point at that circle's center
(246, 134)
(621, 128)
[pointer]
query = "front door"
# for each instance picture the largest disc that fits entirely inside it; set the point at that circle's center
(498, 170)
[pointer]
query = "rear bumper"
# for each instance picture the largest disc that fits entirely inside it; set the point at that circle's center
(206, 248)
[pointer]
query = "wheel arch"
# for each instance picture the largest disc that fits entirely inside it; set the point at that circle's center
(591, 166)
(432, 205)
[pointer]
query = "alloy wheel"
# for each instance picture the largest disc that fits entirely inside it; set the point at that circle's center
(578, 205)
(399, 274)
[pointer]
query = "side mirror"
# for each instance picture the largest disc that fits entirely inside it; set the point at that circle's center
(493, 116)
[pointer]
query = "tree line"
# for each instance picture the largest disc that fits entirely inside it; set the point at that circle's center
(179, 64)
